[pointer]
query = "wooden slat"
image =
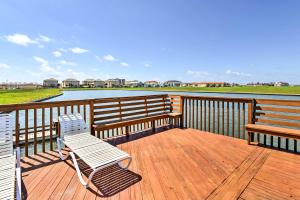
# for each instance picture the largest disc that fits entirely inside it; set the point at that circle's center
(17, 128)
(286, 110)
(51, 128)
(223, 118)
(233, 119)
(278, 116)
(26, 132)
(276, 122)
(279, 102)
(43, 130)
(121, 116)
(227, 118)
(35, 131)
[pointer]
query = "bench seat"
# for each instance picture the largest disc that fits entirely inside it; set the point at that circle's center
(272, 130)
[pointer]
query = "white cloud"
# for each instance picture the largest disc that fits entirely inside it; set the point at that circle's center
(44, 38)
(44, 65)
(109, 58)
(147, 65)
(197, 74)
(229, 72)
(4, 66)
(124, 64)
(98, 58)
(57, 53)
(64, 62)
(78, 50)
(20, 39)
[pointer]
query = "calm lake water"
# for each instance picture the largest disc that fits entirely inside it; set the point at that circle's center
(87, 94)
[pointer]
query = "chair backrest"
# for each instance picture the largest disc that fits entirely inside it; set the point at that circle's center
(282, 113)
(72, 124)
(6, 139)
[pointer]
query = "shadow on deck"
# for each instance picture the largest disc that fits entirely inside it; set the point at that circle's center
(172, 164)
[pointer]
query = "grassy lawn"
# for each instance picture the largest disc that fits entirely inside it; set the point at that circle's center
(239, 89)
(22, 96)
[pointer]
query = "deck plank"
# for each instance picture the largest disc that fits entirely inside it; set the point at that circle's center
(173, 164)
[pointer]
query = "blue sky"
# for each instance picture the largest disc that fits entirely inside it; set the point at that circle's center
(192, 40)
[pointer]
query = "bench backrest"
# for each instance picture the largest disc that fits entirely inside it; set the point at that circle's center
(283, 113)
(72, 124)
(6, 132)
(119, 109)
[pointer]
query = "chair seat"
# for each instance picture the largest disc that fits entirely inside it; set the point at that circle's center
(93, 151)
(7, 177)
(100, 154)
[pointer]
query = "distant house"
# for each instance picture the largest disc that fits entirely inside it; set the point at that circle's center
(172, 83)
(50, 83)
(134, 83)
(18, 85)
(151, 84)
(70, 83)
(116, 82)
(93, 83)
(210, 84)
(185, 84)
(260, 84)
(280, 84)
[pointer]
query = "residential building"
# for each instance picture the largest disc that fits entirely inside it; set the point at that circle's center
(18, 85)
(93, 83)
(185, 84)
(172, 83)
(50, 83)
(70, 83)
(280, 84)
(116, 82)
(98, 83)
(134, 83)
(210, 84)
(260, 84)
(151, 84)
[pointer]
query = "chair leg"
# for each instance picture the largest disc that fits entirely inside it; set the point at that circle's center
(59, 149)
(85, 184)
(126, 166)
(18, 175)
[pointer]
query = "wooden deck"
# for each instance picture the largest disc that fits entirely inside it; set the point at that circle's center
(173, 164)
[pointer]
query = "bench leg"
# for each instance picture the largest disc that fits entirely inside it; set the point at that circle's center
(249, 137)
(153, 126)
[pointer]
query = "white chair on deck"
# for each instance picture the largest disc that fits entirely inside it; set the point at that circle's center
(10, 170)
(93, 151)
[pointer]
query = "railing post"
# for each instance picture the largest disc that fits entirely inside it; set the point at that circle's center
(181, 111)
(251, 118)
(17, 128)
(92, 117)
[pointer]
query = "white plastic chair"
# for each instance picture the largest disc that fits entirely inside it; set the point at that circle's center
(93, 151)
(10, 169)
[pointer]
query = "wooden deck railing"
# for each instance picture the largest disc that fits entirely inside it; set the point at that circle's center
(35, 131)
(226, 116)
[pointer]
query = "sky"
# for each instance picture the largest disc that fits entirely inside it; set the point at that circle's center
(188, 40)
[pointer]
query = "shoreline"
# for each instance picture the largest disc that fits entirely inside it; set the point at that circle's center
(47, 98)
(254, 93)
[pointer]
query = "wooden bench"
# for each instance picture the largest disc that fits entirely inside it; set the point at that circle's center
(120, 112)
(275, 117)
